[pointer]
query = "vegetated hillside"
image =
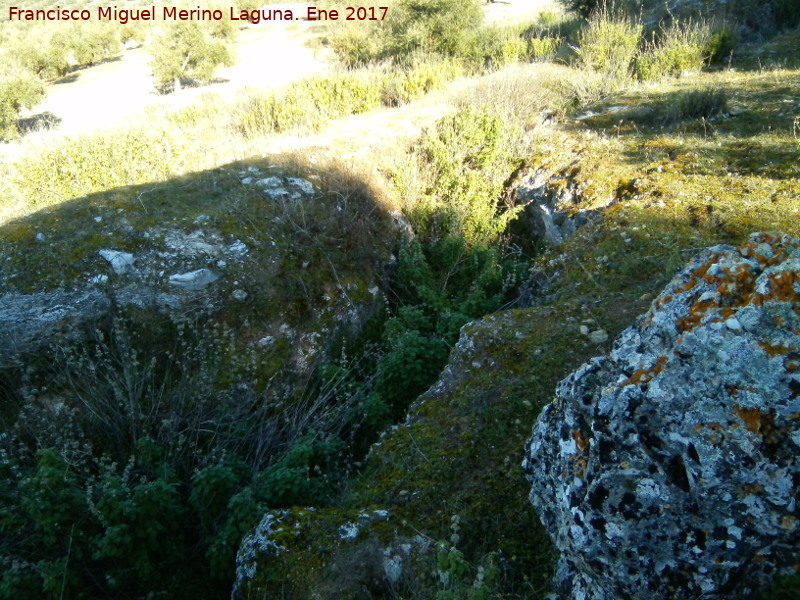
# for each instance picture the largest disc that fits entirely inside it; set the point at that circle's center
(259, 323)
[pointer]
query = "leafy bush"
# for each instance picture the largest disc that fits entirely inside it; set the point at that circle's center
(86, 164)
(420, 77)
(465, 161)
(185, 51)
(542, 48)
(94, 43)
(47, 60)
(683, 47)
(585, 8)
(17, 91)
(698, 104)
(433, 26)
(608, 45)
(494, 47)
(142, 479)
(721, 45)
(429, 26)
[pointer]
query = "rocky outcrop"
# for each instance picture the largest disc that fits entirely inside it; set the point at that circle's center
(670, 467)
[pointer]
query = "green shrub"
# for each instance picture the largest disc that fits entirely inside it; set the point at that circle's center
(83, 165)
(608, 45)
(697, 104)
(467, 157)
(339, 95)
(435, 26)
(412, 26)
(542, 48)
(17, 91)
(585, 8)
(185, 51)
(94, 43)
(47, 60)
(422, 76)
(683, 47)
(356, 45)
(721, 45)
(493, 47)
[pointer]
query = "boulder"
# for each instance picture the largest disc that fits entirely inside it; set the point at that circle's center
(670, 467)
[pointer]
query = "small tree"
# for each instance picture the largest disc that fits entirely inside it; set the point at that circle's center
(46, 60)
(185, 51)
(17, 91)
(95, 43)
(438, 26)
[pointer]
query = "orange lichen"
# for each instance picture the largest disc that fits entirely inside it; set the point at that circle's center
(581, 441)
(714, 434)
(782, 286)
(759, 423)
(751, 417)
(752, 489)
(774, 350)
(579, 467)
(697, 311)
(645, 374)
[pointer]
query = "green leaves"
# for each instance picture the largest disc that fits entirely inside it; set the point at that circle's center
(186, 51)
(18, 90)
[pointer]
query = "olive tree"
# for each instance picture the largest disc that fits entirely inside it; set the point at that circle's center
(18, 90)
(185, 51)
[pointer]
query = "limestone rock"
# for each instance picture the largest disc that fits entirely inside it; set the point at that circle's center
(670, 467)
(28, 321)
(121, 262)
(550, 204)
(194, 280)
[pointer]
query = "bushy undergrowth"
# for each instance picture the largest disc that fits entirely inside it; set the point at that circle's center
(613, 53)
(430, 26)
(444, 28)
(310, 103)
(17, 91)
(139, 468)
(139, 478)
(456, 267)
(79, 166)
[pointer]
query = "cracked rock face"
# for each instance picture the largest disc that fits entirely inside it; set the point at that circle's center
(670, 467)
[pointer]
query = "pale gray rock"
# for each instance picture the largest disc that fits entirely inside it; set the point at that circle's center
(670, 467)
(254, 547)
(29, 321)
(303, 185)
(598, 336)
(550, 203)
(121, 262)
(238, 247)
(193, 280)
(270, 182)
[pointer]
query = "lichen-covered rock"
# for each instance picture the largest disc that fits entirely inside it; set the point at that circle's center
(670, 467)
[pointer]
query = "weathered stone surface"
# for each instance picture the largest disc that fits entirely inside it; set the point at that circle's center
(194, 280)
(669, 468)
(30, 320)
(121, 262)
(550, 206)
